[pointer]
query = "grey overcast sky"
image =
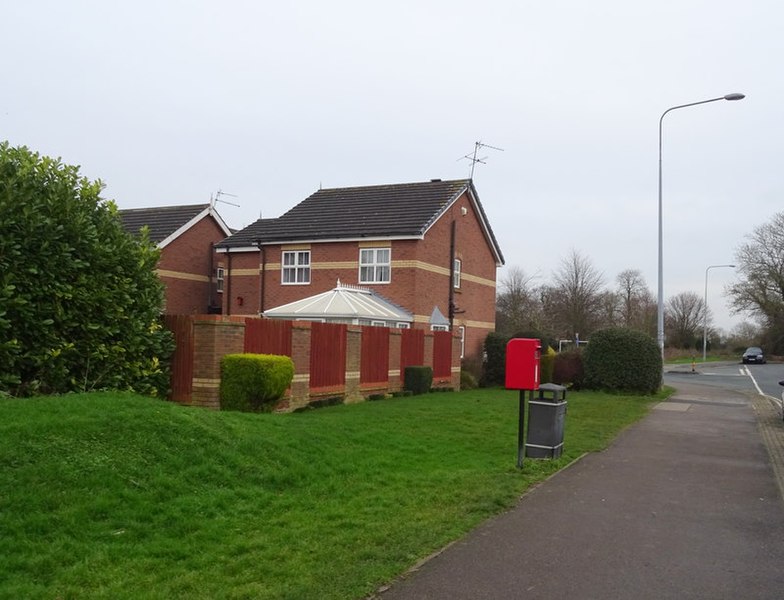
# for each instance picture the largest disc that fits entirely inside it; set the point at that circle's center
(169, 101)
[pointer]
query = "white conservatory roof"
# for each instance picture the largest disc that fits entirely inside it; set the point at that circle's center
(342, 302)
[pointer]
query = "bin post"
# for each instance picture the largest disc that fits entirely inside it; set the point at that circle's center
(521, 428)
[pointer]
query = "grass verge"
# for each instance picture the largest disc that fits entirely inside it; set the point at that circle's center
(117, 496)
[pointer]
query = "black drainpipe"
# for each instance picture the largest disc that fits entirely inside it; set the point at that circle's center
(262, 275)
(228, 282)
(452, 275)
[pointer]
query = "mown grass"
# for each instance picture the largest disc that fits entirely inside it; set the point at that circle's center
(117, 496)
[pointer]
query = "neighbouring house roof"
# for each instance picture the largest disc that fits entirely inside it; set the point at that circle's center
(398, 211)
(438, 318)
(166, 223)
(344, 302)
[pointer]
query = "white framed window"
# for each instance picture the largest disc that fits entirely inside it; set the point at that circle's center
(461, 331)
(295, 267)
(220, 276)
(378, 323)
(375, 265)
(439, 328)
(403, 325)
(456, 269)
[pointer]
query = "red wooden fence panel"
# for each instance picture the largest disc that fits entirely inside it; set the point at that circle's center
(412, 349)
(267, 336)
(374, 360)
(327, 355)
(442, 354)
(182, 359)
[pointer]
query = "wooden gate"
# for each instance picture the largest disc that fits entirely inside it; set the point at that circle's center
(442, 354)
(327, 356)
(374, 360)
(267, 336)
(182, 359)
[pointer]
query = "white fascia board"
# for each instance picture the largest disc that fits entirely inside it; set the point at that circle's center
(320, 241)
(482, 222)
(207, 211)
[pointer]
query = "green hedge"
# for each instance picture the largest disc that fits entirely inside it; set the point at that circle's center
(547, 364)
(418, 380)
(254, 382)
(568, 369)
(494, 367)
(622, 360)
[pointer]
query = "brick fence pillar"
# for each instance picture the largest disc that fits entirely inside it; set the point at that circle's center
(300, 354)
(394, 375)
(214, 336)
(353, 360)
(456, 367)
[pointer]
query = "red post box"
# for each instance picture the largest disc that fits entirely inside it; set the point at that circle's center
(522, 364)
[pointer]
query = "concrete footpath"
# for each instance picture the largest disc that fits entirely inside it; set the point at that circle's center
(685, 504)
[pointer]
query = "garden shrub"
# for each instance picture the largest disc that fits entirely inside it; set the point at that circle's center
(80, 301)
(546, 365)
(622, 360)
(568, 369)
(418, 380)
(254, 382)
(467, 381)
(494, 368)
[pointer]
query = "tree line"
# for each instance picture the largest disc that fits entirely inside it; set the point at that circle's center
(577, 300)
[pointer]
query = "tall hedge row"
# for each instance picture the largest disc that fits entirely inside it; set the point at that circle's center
(623, 360)
(79, 298)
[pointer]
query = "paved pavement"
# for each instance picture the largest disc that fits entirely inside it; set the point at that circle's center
(685, 504)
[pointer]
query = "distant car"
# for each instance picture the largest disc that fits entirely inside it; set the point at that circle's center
(753, 355)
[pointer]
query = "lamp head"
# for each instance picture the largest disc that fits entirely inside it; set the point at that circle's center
(734, 96)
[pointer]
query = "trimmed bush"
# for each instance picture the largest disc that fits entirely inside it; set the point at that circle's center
(622, 360)
(418, 380)
(468, 381)
(568, 369)
(546, 365)
(254, 382)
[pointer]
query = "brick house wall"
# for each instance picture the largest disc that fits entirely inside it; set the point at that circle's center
(187, 268)
(420, 274)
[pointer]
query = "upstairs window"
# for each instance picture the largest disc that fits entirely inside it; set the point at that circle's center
(456, 268)
(374, 265)
(296, 267)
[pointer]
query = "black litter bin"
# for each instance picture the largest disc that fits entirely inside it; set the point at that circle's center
(546, 422)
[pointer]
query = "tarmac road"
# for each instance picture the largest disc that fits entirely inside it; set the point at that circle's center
(685, 504)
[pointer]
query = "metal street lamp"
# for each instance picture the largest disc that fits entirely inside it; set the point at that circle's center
(705, 309)
(660, 315)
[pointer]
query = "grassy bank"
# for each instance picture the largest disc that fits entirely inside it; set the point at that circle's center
(118, 496)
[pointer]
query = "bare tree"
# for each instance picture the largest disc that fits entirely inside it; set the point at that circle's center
(760, 291)
(517, 306)
(684, 319)
(576, 296)
(638, 306)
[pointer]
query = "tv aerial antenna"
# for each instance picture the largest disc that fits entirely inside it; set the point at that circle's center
(473, 158)
(217, 198)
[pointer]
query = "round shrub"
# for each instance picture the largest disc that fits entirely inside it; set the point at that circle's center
(468, 381)
(623, 360)
(254, 382)
(568, 369)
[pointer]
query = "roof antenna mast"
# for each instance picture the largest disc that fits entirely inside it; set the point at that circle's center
(474, 159)
(217, 198)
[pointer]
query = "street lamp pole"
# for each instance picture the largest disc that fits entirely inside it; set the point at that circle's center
(705, 309)
(660, 311)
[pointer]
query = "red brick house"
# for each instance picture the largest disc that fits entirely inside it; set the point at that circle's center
(186, 236)
(426, 247)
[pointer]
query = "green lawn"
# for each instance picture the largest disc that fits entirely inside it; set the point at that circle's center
(117, 496)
